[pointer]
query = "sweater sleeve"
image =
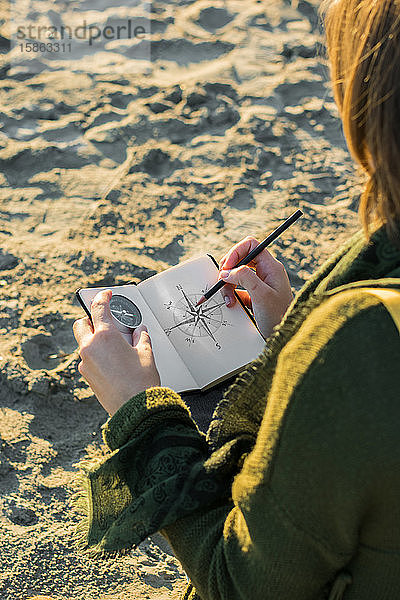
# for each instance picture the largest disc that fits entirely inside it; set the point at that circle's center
(322, 477)
(159, 470)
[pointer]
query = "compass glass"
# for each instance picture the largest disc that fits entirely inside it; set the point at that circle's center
(125, 311)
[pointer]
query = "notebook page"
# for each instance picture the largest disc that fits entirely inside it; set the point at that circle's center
(212, 340)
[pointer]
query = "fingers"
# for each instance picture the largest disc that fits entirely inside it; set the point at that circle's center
(228, 295)
(100, 310)
(269, 269)
(245, 277)
(238, 252)
(82, 329)
(141, 338)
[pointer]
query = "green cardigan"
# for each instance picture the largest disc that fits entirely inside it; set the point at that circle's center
(295, 491)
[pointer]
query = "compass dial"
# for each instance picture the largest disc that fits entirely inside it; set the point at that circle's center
(125, 311)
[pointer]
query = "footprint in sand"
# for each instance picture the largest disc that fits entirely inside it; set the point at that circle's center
(21, 515)
(43, 351)
(157, 164)
(7, 261)
(242, 199)
(212, 18)
(19, 165)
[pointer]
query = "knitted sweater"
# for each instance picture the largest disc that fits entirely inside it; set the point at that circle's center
(295, 491)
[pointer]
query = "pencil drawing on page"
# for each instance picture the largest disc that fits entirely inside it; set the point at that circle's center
(196, 321)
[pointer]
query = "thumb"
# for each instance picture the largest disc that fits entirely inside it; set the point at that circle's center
(141, 338)
(245, 277)
(100, 310)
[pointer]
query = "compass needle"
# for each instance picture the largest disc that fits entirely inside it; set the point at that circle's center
(125, 312)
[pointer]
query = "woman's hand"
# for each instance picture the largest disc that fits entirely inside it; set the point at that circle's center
(268, 288)
(114, 370)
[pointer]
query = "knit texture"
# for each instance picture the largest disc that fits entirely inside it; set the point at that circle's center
(295, 491)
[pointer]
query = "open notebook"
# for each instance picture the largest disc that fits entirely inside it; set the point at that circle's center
(194, 347)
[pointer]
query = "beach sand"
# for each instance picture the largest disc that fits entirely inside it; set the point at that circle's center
(113, 173)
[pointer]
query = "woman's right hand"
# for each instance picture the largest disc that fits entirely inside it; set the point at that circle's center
(268, 292)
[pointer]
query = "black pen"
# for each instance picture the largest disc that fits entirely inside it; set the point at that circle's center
(247, 259)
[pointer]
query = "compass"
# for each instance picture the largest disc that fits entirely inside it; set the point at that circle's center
(125, 312)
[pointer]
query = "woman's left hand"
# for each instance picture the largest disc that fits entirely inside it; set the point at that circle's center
(114, 369)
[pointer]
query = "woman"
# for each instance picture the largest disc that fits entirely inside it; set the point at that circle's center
(295, 492)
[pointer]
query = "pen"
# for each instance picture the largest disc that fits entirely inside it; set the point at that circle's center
(255, 252)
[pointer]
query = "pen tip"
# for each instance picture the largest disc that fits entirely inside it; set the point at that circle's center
(202, 299)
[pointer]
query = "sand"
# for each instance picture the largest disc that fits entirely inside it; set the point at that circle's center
(113, 171)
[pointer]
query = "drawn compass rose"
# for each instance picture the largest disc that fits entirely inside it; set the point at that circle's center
(196, 321)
